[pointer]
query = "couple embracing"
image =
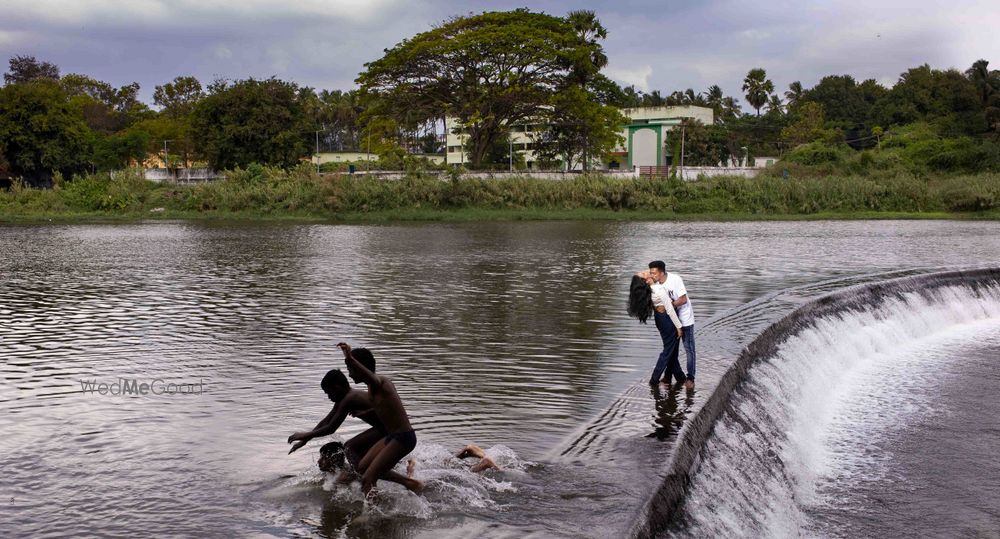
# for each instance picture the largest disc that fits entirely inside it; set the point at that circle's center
(674, 319)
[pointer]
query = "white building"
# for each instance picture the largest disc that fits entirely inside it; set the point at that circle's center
(645, 137)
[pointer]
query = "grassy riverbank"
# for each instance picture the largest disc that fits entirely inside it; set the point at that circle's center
(261, 193)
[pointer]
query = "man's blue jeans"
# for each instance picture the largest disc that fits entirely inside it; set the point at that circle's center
(689, 349)
(668, 357)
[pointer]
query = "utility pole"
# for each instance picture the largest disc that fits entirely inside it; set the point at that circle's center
(368, 155)
(682, 151)
(317, 152)
(510, 152)
(165, 165)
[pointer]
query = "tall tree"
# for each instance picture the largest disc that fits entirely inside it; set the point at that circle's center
(846, 104)
(794, 94)
(27, 69)
(170, 134)
(775, 106)
(944, 97)
(987, 83)
(757, 87)
(41, 132)
(703, 145)
(724, 108)
(713, 98)
(338, 116)
(581, 125)
(178, 98)
(590, 33)
(105, 108)
(653, 99)
(809, 126)
(252, 121)
(490, 71)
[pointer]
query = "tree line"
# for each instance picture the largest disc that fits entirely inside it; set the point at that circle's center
(946, 104)
(489, 73)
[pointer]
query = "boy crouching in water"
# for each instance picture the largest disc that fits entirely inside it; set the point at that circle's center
(400, 439)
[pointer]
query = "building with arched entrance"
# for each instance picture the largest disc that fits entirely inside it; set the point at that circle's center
(648, 131)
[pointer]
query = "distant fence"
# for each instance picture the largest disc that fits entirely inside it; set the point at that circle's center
(181, 175)
(489, 175)
(693, 173)
(654, 171)
(194, 175)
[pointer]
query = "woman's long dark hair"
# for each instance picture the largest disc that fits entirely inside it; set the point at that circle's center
(640, 299)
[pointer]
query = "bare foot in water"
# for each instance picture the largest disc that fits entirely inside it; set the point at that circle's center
(415, 486)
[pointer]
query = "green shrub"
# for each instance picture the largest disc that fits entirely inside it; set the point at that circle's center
(299, 191)
(819, 153)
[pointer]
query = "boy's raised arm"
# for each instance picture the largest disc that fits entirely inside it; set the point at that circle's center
(367, 377)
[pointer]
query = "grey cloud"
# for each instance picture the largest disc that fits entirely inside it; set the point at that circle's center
(325, 44)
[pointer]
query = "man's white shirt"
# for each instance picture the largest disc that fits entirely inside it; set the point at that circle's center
(674, 287)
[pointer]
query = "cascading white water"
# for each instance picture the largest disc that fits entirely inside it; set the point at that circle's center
(812, 414)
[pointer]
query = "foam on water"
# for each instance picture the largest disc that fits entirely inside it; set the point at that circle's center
(449, 487)
(813, 414)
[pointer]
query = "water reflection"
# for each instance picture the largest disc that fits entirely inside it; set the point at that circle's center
(672, 406)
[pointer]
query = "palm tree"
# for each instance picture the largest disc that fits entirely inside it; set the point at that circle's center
(692, 98)
(590, 31)
(731, 107)
(980, 75)
(675, 99)
(713, 95)
(757, 88)
(774, 105)
(713, 98)
(794, 94)
(988, 86)
(653, 99)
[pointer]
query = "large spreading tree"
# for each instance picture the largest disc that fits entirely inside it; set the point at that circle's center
(41, 131)
(252, 121)
(491, 71)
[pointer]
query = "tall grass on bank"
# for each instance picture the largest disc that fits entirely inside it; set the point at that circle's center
(263, 191)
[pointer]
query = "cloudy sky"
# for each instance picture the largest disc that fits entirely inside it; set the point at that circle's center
(663, 45)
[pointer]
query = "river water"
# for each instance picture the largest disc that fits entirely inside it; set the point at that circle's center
(512, 336)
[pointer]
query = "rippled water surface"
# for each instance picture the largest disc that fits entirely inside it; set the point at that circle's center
(509, 335)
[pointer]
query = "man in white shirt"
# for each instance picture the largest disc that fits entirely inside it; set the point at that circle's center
(678, 296)
(669, 326)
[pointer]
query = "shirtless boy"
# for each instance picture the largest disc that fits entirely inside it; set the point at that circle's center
(346, 402)
(400, 438)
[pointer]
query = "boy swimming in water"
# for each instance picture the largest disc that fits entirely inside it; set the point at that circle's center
(400, 438)
(485, 462)
(331, 457)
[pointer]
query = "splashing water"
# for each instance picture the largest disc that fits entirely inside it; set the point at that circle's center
(818, 416)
